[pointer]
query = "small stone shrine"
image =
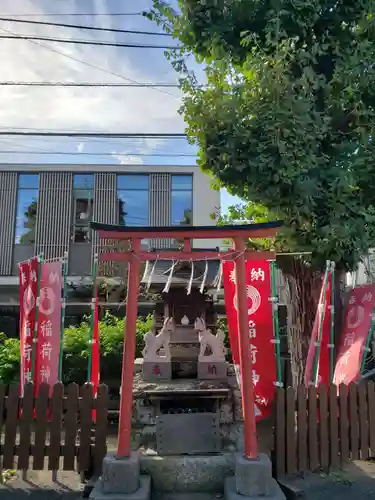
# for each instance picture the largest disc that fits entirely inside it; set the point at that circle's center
(183, 380)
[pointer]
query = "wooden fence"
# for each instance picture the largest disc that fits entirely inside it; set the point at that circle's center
(60, 427)
(319, 429)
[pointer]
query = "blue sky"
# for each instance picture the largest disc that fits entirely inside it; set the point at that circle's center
(89, 109)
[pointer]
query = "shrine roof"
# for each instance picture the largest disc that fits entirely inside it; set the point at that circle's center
(262, 230)
(182, 273)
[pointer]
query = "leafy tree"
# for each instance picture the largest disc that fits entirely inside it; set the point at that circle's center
(30, 223)
(286, 122)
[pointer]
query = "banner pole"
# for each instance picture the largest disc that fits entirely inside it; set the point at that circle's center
(92, 319)
(40, 259)
(63, 307)
(275, 319)
(332, 330)
(321, 313)
(366, 348)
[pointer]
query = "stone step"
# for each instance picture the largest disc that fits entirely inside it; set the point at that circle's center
(188, 474)
(230, 492)
(187, 496)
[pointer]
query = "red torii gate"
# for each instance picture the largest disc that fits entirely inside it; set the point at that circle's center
(134, 255)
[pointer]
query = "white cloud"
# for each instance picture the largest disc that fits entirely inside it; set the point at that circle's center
(126, 159)
(95, 109)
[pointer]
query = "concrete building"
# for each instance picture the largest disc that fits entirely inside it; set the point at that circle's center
(47, 210)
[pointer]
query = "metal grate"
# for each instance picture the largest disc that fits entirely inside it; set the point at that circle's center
(187, 406)
(187, 434)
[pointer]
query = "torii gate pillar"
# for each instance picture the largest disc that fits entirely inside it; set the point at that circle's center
(246, 375)
(124, 430)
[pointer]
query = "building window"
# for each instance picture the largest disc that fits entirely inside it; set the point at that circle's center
(27, 207)
(83, 196)
(182, 200)
(133, 195)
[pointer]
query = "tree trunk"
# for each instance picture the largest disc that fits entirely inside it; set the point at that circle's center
(303, 285)
(340, 299)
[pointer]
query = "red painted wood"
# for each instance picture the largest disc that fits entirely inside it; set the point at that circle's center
(124, 428)
(251, 445)
(198, 233)
(180, 255)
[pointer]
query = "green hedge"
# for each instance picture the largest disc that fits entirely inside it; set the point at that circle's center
(9, 359)
(75, 353)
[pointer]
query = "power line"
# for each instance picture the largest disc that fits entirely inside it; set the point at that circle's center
(83, 27)
(87, 84)
(88, 42)
(93, 66)
(118, 143)
(125, 135)
(70, 153)
(8, 143)
(155, 135)
(95, 14)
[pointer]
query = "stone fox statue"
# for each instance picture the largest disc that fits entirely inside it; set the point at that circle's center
(155, 342)
(208, 339)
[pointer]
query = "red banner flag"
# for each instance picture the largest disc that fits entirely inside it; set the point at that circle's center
(324, 356)
(260, 329)
(353, 338)
(47, 365)
(28, 280)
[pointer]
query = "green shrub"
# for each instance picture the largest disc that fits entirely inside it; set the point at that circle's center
(223, 325)
(9, 359)
(76, 351)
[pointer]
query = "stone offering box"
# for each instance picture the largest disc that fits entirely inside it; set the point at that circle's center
(187, 416)
(185, 395)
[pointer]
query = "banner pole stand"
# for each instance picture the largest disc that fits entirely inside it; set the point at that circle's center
(40, 258)
(332, 329)
(275, 319)
(63, 307)
(366, 348)
(92, 320)
(321, 313)
(246, 373)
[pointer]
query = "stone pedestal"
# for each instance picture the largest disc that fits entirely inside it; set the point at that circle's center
(160, 369)
(212, 370)
(253, 479)
(121, 480)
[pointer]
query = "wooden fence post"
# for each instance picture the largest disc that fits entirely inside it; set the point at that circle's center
(371, 413)
(333, 426)
(11, 426)
(323, 427)
(100, 447)
(353, 422)
(363, 421)
(302, 428)
(71, 427)
(344, 423)
(313, 429)
(280, 453)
